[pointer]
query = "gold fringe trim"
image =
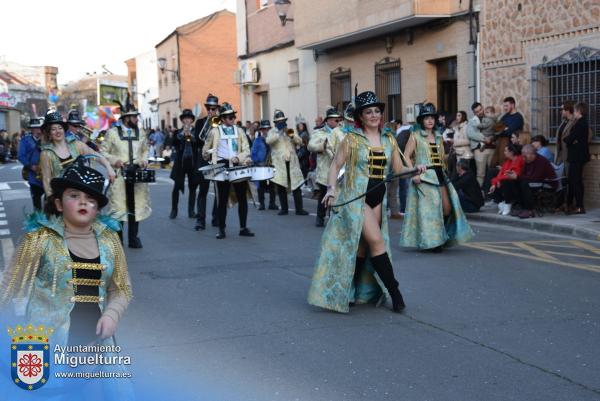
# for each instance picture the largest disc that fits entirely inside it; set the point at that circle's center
(18, 279)
(120, 272)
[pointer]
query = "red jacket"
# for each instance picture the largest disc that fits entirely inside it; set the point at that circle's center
(515, 165)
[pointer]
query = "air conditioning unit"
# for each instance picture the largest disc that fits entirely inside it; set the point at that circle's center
(410, 113)
(248, 72)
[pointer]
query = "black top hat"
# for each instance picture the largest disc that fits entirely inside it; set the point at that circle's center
(427, 109)
(35, 122)
(349, 112)
(82, 177)
(129, 108)
(264, 124)
(53, 117)
(226, 109)
(73, 118)
(364, 100)
(187, 113)
(212, 100)
(279, 116)
(331, 112)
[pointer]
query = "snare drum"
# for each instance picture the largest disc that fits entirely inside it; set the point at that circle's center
(239, 174)
(262, 173)
(214, 172)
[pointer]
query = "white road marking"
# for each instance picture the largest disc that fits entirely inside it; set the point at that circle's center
(2, 215)
(4, 232)
(3, 222)
(8, 249)
(4, 186)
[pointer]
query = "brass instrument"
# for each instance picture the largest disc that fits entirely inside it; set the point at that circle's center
(289, 132)
(215, 121)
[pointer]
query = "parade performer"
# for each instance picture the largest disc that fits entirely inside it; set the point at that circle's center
(70, 268)
(201, 130)
(125, 145)
(261, 157)
(227, 144)
(76, 127)
(69, 279)
(434, 217)
(29, 156)
(355, 242)
(324, 143)
(185, 163)
(288, 176)
(58, 151)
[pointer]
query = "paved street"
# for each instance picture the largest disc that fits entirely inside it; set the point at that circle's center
(514, 315)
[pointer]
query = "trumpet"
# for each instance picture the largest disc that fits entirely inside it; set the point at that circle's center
(289, 132)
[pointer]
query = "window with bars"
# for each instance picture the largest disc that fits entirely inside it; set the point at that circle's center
(388, 88)
(293, 73)
(573, 76)
(341, 88)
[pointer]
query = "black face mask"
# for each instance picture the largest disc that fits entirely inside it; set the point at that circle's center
(129, 123)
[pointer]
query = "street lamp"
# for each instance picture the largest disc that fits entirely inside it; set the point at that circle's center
(282, 7)
(162, 64)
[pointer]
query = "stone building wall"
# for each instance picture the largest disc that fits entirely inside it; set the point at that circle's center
(517, 35)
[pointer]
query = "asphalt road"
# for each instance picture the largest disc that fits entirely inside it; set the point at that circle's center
(513, 316)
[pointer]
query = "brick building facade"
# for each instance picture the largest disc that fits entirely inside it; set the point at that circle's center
(543, 53)
(202, 58)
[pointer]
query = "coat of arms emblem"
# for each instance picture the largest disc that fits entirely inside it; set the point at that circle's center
(30, 356)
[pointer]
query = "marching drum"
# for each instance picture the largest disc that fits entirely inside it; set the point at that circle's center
(156, 159)
(239, 174)
(214, 172)
(262, 173)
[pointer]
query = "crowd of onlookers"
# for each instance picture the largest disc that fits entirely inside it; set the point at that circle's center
(9, 145)
(491, 157)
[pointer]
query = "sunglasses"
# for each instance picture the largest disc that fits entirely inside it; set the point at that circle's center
(212, 109)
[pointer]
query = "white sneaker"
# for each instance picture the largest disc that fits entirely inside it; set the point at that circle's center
(501, 207)
(507, 209)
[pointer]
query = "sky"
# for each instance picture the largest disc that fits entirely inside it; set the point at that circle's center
(81, 36)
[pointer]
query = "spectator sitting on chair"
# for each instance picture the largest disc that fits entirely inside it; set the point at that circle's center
(502, 189)
(469, 191)
(537, 169)
(540, 143)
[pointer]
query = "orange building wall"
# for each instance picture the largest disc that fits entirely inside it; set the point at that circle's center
(208, 61)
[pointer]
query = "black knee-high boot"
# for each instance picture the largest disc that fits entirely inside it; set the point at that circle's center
(358, 267)
(385, 271)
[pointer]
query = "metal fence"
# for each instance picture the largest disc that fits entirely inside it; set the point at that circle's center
(573, 76)
(388, 88)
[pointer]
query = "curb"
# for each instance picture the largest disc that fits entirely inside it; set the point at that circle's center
(532, 224)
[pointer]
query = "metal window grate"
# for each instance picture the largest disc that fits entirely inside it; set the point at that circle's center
(573, 76)
(341, 88)
(388, 88)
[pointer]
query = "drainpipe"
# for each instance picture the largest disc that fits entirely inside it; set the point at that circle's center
(178, 68)
(473, 31)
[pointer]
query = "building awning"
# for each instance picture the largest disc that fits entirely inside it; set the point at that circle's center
(374, 31)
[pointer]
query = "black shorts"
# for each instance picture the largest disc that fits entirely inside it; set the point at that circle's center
(376, 196)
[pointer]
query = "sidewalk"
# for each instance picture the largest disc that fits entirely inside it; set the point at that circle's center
(585, 226)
